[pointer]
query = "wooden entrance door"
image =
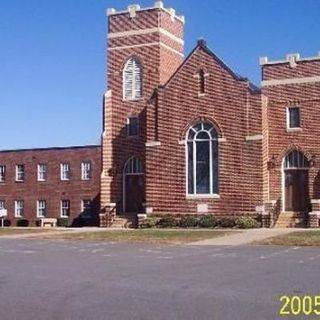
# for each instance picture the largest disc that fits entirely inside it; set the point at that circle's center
(134, 193)
(296, 190)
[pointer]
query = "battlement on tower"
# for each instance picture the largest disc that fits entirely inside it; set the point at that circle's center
(134, 8)
(291, 58)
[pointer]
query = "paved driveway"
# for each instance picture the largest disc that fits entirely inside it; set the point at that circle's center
(81, 280)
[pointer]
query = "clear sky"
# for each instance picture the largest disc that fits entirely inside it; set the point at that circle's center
(52, 56)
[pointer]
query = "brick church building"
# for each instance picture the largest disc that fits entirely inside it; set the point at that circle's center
(191, 136)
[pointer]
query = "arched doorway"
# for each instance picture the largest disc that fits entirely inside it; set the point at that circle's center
(296, 177)
(133, 186)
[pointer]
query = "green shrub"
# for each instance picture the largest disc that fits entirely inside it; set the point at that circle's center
(63, 222)
(208, 221)
(246, 223)
(148, 223)
(227, 222)
(167, 222)
(188, 222)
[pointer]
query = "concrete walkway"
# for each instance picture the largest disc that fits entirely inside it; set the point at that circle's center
(244, 237)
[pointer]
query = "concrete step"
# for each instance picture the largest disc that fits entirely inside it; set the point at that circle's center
(125, 222)
(291, 220)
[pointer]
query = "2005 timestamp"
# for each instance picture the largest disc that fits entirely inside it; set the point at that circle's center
(299, 305)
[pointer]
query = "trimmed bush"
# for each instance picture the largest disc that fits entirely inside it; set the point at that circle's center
(189, 222)
(227, 222)
(63, 222)
(246, 223)
(167, 222)
(208, 221)
(148, 223)
(22, 223)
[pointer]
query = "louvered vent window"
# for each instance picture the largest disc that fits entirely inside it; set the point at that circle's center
(132, 80)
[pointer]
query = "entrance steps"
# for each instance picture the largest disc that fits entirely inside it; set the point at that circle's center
(291, 220)
(124, 222)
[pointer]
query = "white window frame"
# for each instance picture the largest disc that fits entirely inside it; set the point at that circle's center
(19, 208)
(42, 172)
(64, 171)
(135, 93)
(64, 207)
(20, 172)
(196, 195)
(289, 128)
(41, 208)
(2, 173)
(86, 169)
(82, 204)
(2, 204)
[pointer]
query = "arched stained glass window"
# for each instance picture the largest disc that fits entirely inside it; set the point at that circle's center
(202, 159)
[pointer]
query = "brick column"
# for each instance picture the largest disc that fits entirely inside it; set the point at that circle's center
(107, 206)
(314, 215)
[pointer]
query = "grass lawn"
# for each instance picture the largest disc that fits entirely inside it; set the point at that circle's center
(148, 236)
(298, 238)
(12, 231)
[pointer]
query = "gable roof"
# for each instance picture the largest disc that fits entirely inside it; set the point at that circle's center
(201, 44)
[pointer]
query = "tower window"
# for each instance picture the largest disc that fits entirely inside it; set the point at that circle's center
(293, 118)
(132, 126)
(132, 80)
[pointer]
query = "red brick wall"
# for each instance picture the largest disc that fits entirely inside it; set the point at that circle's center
(279, 140)
(158, 63)
(231, 106)
(53, 190)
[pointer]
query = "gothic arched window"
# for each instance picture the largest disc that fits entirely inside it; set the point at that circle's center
(132, 80)
(202, 160)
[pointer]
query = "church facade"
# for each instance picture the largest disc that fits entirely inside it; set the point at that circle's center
(188, 135)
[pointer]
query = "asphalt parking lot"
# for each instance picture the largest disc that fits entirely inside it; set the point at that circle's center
(46, 279)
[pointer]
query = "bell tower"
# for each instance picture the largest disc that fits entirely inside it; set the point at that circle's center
(145, 47)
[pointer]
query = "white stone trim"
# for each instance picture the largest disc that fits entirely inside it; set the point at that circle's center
(108, 94)
(202, 196)
(182, 142)
(153, 144)
(264, 60)
(254, 137)
(157, 5)
(277, 82)
(315, 201)
(138, 32)
(222, 140)
(146, 45)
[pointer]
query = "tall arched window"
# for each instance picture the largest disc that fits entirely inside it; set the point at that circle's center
(202, 159)
(132, 80)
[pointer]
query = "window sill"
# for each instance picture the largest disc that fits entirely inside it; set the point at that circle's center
(202, 196)
(132, 100)
(294, 129)
(201, 95)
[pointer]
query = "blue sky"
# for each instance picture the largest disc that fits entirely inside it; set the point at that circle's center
(52, 57)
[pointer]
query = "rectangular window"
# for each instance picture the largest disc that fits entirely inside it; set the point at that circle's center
(65, 171)
(293, 117)
(41, 208)
(20, 172)
(85, 205)
(2, 204)
(2, 173)
(85, 170)
(19, 208)
(132, 126)
(65, 208)
(42, 172)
